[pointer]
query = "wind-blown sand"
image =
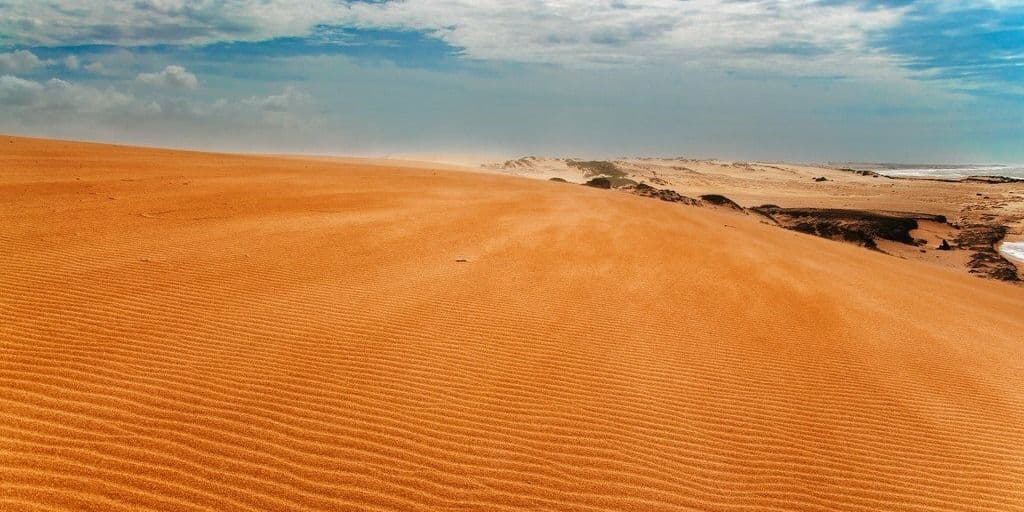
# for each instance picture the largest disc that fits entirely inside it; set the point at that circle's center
(184, 331)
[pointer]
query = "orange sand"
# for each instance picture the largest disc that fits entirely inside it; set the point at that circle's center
(184, 331)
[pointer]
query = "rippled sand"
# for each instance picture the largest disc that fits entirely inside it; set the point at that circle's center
(184, 331)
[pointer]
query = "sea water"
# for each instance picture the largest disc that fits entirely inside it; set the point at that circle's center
(950, 172)
(1013, 250)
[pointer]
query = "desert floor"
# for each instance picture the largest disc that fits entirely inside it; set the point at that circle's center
(185, 331)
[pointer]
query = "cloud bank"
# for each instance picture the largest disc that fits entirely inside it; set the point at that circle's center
(871, 79)
(573, 32)
(19, 61)
(174, 77)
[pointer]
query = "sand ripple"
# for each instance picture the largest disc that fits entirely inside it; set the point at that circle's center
(205, 332)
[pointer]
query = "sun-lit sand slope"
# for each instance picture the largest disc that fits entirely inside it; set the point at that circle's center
(183, 331)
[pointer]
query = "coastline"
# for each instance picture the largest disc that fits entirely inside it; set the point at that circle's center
(954, 223)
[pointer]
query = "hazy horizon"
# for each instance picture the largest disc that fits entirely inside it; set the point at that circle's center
(901, 82)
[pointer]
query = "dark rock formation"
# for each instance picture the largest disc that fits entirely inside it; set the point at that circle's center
(820, 179)
(599, 183)
(944, 246)
(559, 180)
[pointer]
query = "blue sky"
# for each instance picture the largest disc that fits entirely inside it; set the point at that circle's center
(791, 80)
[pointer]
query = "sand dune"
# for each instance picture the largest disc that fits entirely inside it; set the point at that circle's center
(184, 331)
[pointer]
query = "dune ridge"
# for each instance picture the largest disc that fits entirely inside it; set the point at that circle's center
(189, 331)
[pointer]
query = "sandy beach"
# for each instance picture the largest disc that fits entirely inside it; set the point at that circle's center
(186, 331)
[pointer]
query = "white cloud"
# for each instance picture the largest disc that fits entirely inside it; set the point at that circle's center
(570, 32)
(36, 22)
(288, 110)
(71, 62)
(58, 96)
(95, 67)
(175, 77)
(59, 108)
(289, 99)
(117, 62)
(582, 31)
(715, 74)
(17, 92)
(20, 61)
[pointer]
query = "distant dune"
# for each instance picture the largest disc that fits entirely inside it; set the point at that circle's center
(185, 331)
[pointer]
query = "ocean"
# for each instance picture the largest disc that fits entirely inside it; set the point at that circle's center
(949, 172)
(1013, 250)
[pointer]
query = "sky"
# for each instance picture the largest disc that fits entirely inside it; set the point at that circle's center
(828, 80)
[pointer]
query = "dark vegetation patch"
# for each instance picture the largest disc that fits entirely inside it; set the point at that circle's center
(597, 168)
(618, 182)
(862, 172)
(858, 226)
(610, 182)
(994, 265)
(986, 260)
(991, 179)
(645, 190)
(526, 161)
(599, 183)
(977, 237)
(720, 200)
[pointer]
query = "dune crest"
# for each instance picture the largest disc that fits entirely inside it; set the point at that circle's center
(185, 331)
